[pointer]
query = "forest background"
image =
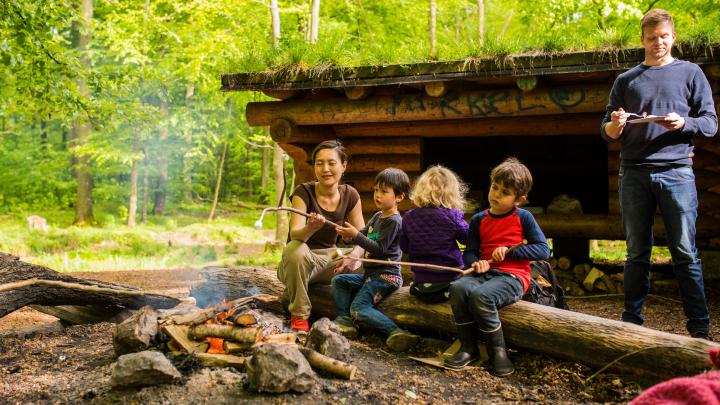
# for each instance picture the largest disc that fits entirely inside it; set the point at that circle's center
(113, 128)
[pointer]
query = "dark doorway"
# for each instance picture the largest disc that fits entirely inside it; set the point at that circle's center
(573, 165)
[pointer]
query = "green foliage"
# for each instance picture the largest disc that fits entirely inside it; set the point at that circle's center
(153, 103)
(184, 241)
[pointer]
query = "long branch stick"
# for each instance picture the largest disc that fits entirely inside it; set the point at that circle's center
(338, 254)
(510, 249)
(297, 211)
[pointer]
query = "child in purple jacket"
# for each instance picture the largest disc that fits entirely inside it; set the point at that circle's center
(431, 232)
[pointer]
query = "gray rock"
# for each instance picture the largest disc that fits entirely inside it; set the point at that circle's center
(137, 332)
(143, 369)
(279, 368)
(325, 338)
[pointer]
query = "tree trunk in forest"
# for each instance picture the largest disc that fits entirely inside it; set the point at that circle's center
(283, 224)
(432, 30)
(314, 21)
(81, 129)
(146, 186)
(162, 161)
(559, 333)
(275, 18)
(187, 139)
(265, 174)
(23, 284)
(481, 22)
(132, 206)
(218, 181)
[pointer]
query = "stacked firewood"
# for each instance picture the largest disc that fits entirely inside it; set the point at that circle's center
(583, 278)
(223, 335)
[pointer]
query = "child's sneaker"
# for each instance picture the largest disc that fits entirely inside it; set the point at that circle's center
(346, 327)
(401, 340)
(299, 324)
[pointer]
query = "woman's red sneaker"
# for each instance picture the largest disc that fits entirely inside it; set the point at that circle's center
(299, 324)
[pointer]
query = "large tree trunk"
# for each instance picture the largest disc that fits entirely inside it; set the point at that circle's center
(81, 127)
(432, 30)
(218, 181)
(314, 21)
(481, 22)
(132, 206)
(162, 161)
(568, 335)
(275, 20)
(23, 284)
(283, 223)
(187, 139)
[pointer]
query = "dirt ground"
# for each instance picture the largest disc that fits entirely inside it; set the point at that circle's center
(73, 365)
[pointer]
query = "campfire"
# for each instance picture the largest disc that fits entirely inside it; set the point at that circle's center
(223, 335)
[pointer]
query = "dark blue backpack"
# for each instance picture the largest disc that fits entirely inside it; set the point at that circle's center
(544, 286)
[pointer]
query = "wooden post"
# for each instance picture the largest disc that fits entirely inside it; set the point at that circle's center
(283, 130)
(408, 107)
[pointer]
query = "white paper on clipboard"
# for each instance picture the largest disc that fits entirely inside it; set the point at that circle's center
(649, 118)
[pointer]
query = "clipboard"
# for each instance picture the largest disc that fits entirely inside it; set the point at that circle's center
(649, 118)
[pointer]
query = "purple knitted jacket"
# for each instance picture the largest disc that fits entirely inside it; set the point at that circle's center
(430, 235)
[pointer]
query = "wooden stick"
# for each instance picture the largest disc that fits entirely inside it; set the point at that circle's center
(510, 249)
(328, 364)
(220, 360)
(247, 335)
(338, 254)
(296, 211)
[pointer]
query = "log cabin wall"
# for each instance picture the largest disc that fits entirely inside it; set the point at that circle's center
(470, 126)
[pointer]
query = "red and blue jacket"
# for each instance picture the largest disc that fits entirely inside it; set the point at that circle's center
(488, 232)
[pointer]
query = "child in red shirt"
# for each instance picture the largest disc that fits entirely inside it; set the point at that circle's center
(501, 277)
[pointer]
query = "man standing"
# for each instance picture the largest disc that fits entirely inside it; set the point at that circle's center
(656, 165)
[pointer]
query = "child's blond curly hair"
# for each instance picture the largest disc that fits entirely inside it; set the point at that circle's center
(439, 186)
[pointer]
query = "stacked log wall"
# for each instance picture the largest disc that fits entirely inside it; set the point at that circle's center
(387, 130)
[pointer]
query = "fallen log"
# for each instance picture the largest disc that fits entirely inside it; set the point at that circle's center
(567, 335)
(220, 360)
(23, 284)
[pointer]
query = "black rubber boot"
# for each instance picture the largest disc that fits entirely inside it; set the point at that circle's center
(468, 352)
(501, 364)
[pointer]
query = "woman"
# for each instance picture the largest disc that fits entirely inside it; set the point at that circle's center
(307, 257)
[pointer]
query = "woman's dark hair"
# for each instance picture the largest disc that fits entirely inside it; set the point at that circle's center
(331, 144)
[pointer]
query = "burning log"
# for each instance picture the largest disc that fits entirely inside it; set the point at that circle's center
(23, 284)
(235, 305)
(243, 335)
(245, 318)
(559, 333)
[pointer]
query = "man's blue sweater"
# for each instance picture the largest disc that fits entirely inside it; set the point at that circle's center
(679, 87)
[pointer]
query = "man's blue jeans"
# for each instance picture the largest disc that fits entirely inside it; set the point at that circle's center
(370, 291)
(642, 190)
(477, 298)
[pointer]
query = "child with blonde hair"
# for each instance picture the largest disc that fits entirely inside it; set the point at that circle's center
(431, 232)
